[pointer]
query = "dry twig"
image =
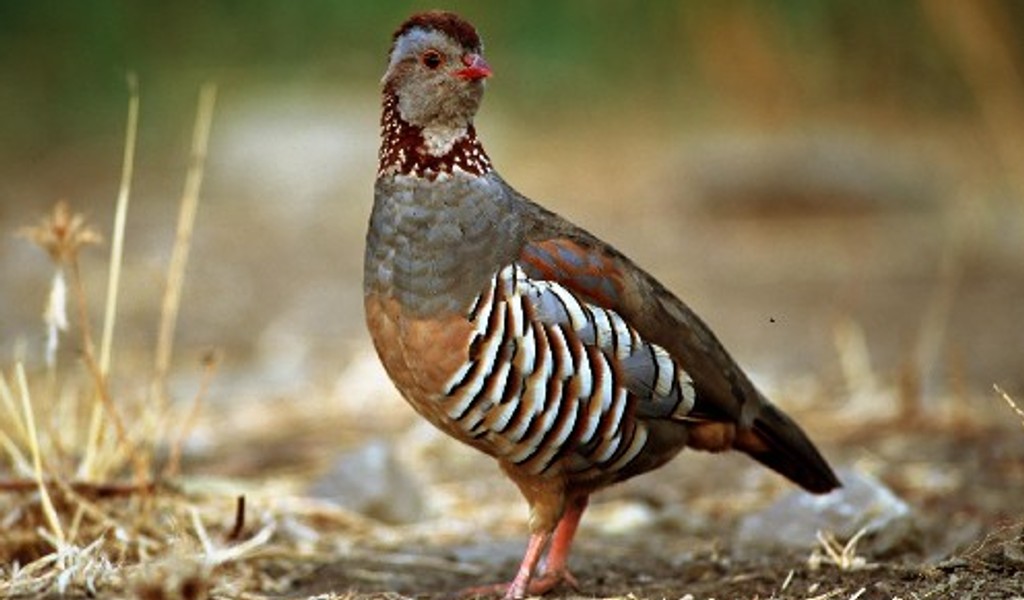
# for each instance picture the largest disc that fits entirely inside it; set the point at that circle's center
(1009, 401)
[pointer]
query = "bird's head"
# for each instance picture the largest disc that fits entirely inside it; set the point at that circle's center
(436, 71)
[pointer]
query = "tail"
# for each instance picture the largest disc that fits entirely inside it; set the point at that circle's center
(777, 442)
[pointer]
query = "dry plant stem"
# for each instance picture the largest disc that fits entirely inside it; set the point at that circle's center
(140, 460)
(174, 462)
(76, 523)
(37, 463)
(829, 595)
(58, 431)
(86, 489)
(239, 526)
(102, 393)
(88, 347)
(12, 412)
(108, 402)
(179, 256)
(18, 460)
(116, 259)
(120, 218)
(214, 556)
(787, 581)
(88, 465)
(85, 507)
(1009, 401)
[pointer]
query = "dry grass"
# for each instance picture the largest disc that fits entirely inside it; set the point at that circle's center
(1010, 402)
(92, 506)
(841, 555)
(93, 501)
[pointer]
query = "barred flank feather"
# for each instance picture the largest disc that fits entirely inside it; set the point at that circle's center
(553, 376)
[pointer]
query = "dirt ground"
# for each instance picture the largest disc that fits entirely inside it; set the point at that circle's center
(964, 485)
(615, 573)
(967, 539)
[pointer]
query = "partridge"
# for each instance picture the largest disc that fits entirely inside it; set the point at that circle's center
(523, 335)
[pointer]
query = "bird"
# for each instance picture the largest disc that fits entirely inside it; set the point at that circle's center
(525, 336)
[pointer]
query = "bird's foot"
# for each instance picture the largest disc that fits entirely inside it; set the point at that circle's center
(549, 580)
(537, 586)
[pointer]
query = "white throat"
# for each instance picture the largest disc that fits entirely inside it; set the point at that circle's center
(438, 140)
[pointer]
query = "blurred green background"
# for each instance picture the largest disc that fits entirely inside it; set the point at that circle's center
(65, 62)
(789, 167)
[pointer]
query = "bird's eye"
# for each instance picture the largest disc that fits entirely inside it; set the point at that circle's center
(432, 59)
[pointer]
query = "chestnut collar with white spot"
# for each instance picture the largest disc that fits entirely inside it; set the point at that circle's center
(408, 149)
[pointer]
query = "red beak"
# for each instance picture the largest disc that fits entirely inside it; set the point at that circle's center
(476, 68)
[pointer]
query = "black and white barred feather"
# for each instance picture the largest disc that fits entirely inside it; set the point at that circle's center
(553, 377)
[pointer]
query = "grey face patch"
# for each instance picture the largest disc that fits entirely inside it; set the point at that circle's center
(413, 43)
(433, 99)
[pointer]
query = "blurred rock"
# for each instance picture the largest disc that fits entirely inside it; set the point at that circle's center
(622, 517)
(372, 481)
(863, 502)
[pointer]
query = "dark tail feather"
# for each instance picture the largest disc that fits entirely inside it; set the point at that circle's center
(777, 442)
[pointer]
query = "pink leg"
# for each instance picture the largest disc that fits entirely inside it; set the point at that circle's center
(521, 584)
(555, 569)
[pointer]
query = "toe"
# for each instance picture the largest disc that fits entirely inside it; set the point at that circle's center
(549, 580)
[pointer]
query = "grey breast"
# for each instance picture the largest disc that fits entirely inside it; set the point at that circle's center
(433, 244)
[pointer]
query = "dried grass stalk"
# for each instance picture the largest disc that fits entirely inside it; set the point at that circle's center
(1009, 401)
(120, 219)
(37, 463)
(183, 240)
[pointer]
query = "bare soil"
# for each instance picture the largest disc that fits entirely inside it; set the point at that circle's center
(968, 539)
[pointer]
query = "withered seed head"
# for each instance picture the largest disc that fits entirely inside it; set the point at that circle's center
(62, 233)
